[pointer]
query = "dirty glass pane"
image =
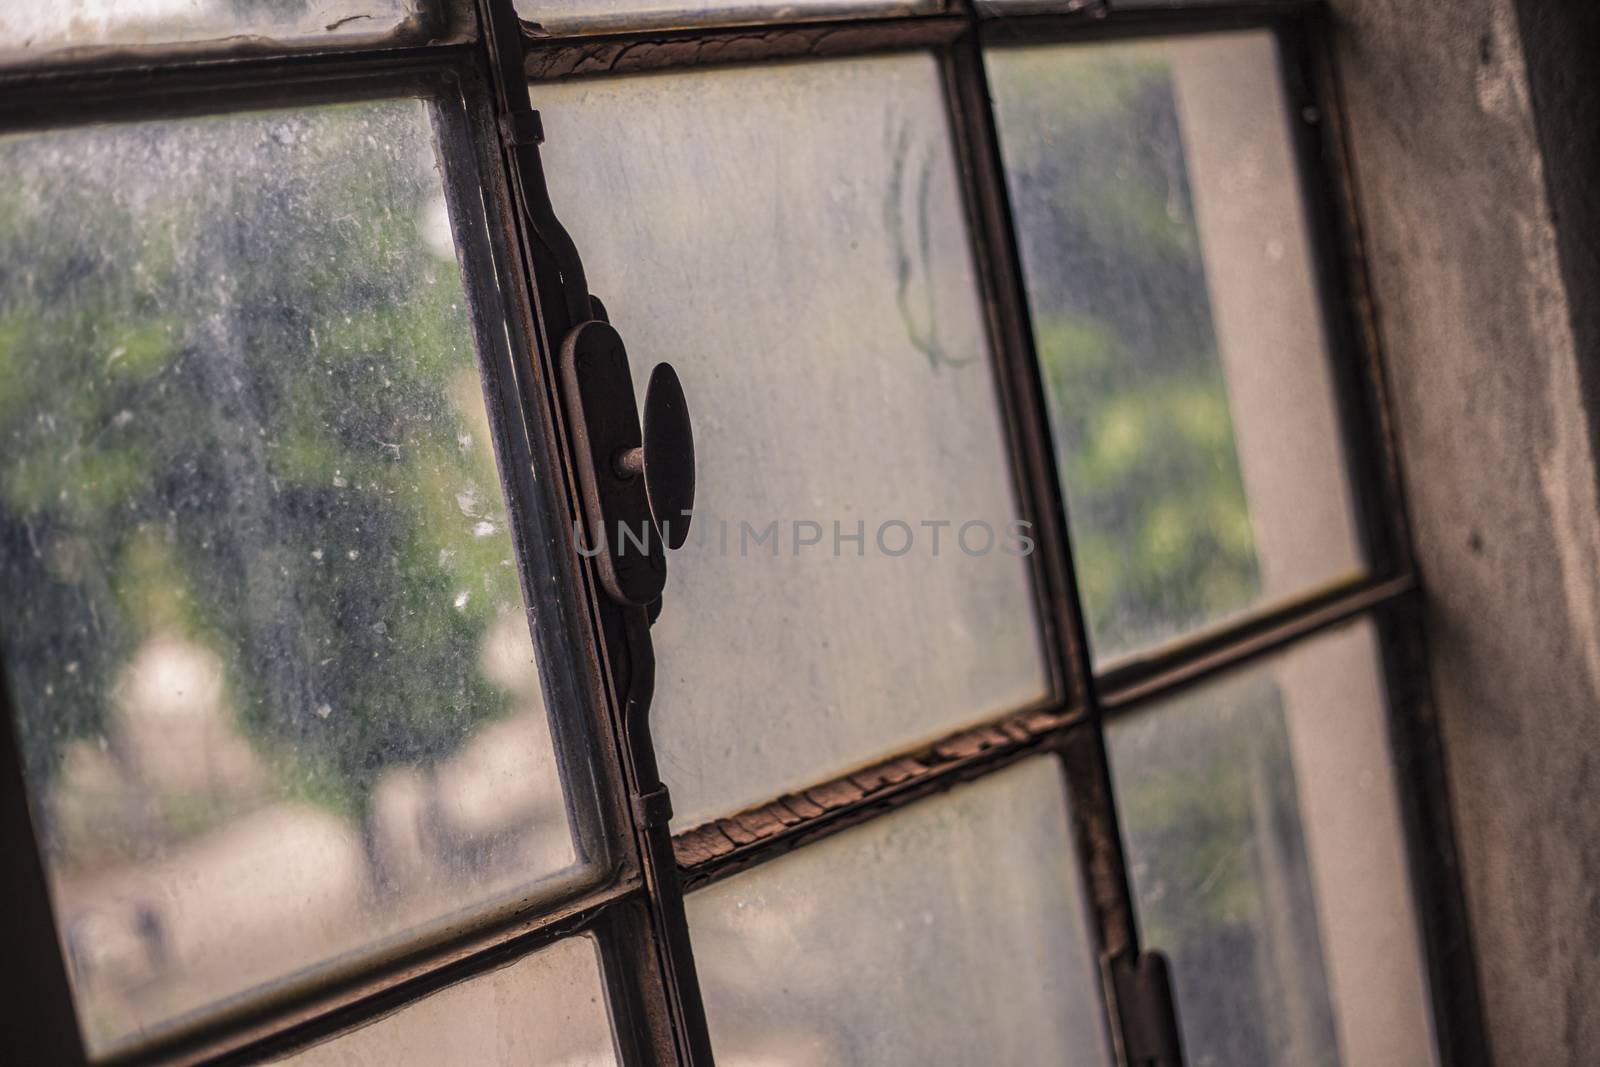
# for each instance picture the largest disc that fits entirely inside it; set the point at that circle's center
(811, 280)
(1264, 842)
(33, 27)
(1179, 332)
(263, 628)
(1000, 8)
(609, 16)
(547, 1009)
(952, 932)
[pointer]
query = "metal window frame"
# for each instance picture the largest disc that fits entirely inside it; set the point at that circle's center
(483, 51)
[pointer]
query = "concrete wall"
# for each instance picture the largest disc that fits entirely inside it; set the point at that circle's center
(1467, 260)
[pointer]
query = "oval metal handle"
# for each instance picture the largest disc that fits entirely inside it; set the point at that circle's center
(666, 459)
(637, 481)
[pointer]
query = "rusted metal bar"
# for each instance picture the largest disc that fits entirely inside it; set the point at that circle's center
(717, 849)
(553, 59)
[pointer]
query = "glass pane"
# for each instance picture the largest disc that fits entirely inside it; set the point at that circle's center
(607, 16)
(951, 932)
(999, 8)
(1267, 858)
(1179, 331)
(547, 1009)
(33, 27)
(263, 626)
(812, 282)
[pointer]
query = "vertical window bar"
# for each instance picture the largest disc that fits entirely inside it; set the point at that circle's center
(1419, 759)
(562, 301)
(1096, 833)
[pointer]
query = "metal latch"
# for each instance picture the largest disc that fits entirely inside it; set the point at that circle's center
(637, 484)
(1146, 1011)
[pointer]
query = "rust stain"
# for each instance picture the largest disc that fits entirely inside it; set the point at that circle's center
(799, 816)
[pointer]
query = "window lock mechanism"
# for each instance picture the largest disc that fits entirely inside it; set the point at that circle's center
(637, 482)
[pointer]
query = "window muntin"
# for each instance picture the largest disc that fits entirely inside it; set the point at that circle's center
(1262, 817)
(34, 28)
(865, 395)
(546, 1009)
(264, 630)
(612, 16)
(952, 931)
(1233, 640)
(1178, 327)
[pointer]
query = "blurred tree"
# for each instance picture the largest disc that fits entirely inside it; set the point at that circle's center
(1162, 537)
(239, 404)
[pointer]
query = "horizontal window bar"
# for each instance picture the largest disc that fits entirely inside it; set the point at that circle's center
(1091, 20)
(275, 1028)
(132, 40)
(34, 100)
(722, 847)
(549, 59)
(1097, 22)
(719, 848)
(1219, 650)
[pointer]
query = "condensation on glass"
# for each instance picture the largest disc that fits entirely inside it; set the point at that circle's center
(547, 1009)
(31, 28)
(273, 677)
(614, 16)
(953, 931)
(1268, 860)
(812, 282)
(1179, 331)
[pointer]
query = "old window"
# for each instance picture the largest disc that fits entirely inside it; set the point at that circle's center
(1044, 601)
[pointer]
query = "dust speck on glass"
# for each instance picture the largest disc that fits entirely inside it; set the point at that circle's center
(275, 686)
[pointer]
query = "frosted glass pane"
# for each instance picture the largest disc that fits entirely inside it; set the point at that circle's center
(607, 16)
(1267, 858)
(33, 27)
(545, 1010)
(263, 627)
(952, 932)
(812, 282)
(1179, 330)
(998, 8)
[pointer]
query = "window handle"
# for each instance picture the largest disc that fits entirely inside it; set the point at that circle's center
(637, 484)
(666, 459)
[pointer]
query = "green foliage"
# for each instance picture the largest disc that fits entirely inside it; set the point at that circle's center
(1125, 339)
(1161, 532)
(239, 405)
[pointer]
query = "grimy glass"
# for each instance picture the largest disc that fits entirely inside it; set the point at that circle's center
(329, 737)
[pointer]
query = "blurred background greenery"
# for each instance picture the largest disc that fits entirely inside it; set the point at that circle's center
(1162, 537)
(240, 406)
(240, 410)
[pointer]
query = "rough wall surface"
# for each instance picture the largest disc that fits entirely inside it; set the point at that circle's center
(1500, 473)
